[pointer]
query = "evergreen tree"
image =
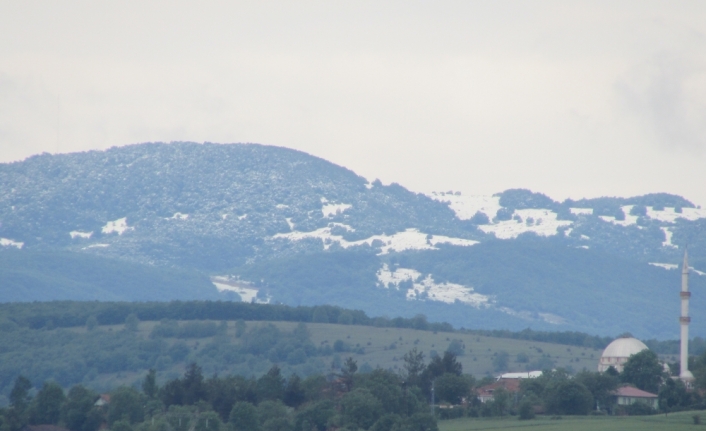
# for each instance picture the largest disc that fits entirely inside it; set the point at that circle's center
(149, 384)
(19, 396)
(46, 406)
(76, 413)
(271, 385)
(348, 370)
(413, 366)
(294, 394)
(194, 389)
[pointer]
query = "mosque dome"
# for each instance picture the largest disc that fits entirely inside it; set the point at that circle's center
(618, 352)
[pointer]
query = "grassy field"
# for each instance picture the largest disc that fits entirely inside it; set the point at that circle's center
(675, 421)
(385, 347)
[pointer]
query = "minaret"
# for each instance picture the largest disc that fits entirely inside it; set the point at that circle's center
(684, 374)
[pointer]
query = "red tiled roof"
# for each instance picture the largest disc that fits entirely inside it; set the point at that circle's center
(510, 385)
(629, 391)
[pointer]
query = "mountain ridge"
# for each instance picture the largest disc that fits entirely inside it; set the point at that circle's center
(289, 225)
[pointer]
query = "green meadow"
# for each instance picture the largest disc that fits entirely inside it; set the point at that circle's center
(673, 421)
(385, 347)
(371, 346)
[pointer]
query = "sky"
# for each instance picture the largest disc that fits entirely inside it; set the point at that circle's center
(569, 98)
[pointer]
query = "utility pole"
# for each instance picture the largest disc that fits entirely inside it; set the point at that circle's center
(432, 397)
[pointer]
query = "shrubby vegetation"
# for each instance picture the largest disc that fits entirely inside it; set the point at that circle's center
(378, 400)
(48, 340)
(345, 397)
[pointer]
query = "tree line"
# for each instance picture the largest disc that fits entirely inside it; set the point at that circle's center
(379, 400)
(66, 314)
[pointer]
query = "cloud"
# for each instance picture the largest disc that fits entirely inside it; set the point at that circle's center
(668, 95)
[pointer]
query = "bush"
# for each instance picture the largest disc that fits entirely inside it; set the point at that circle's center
(569, 398)
(450, 413)
(526, 410)
(637, 409)
(341, 346)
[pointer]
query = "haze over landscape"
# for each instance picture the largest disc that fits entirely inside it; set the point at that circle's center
(371, 216)
(573, 99)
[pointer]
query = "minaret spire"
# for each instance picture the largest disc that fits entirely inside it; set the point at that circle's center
(684, 374)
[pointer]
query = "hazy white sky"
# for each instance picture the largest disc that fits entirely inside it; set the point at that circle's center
(572, 99)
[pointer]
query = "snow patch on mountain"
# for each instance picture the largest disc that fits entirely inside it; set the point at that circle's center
(179, 216)
(581, 211)
(99, 245)
(427, 289)
(543, 222)
(629, 219)
(552, 318)
(449, 293)
(290, 223)
(669, 214)
(330, 210)
(394, 278)
(466, 207)
(343, 226)
(669, 266)
(410, 239)
(79, 234)
(6, 242)
(667, 238)
(540, 221)
(665, 265)
(247, 292)
(530, 316)
(118, 226)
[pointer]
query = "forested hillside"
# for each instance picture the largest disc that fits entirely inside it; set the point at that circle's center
(102, 345)
(267, 224)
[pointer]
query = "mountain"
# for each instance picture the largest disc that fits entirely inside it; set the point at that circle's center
(270, 224)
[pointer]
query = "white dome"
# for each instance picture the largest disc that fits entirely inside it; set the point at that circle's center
(623, 348)
(618, 352)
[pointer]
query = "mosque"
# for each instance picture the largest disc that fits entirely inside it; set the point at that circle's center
(619, 351)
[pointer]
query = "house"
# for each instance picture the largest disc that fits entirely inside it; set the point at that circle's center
(486, 393)
(103, 400)
(628, 395)
(508, 381)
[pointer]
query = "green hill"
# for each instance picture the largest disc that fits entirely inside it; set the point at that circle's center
(106, 356)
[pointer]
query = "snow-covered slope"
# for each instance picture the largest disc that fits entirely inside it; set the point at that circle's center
(642, 223)
(223, 210)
